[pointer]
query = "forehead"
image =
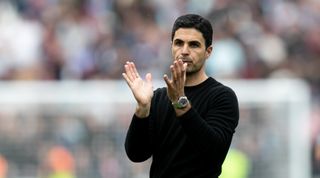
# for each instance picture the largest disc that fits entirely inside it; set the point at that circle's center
(188, 34)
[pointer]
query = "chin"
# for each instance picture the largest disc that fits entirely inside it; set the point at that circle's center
(190, 72)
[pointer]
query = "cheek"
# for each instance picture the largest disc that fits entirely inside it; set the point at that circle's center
(204, 55)
(199, 56)
(174, 53)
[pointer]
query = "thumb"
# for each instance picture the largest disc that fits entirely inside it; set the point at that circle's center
(185, 66)
(148, 77)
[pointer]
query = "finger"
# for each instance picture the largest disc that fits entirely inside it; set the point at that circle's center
(179, 68)
(185, 65)
(125, 76)
(135, 71)
(179, 73)
(131, 68)
(128, 72)
(132, 71)
(149, 77)
(168, 81)
(173, 71)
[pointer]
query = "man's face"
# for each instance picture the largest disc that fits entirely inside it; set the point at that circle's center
(188, 45)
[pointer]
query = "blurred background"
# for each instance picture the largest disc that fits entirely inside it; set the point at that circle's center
(60, 70)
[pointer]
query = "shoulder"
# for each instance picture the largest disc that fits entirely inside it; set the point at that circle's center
(218, 90)
(216, 86)
(225, 89)
(161, 90)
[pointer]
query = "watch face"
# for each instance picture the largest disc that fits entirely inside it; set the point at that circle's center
(183, 101)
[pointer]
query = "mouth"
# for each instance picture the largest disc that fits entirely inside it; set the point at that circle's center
(185, 60)
(188, 62)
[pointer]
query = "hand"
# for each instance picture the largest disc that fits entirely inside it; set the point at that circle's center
(175, 86)
(142, 90)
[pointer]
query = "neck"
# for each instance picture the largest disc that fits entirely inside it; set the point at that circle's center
(195, 78)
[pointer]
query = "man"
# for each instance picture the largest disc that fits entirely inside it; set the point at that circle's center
(187, 126)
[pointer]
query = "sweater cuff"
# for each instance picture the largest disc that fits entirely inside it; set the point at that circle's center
(140, 121)
(191, 113)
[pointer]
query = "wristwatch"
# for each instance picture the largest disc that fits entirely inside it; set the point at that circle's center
(181, 103)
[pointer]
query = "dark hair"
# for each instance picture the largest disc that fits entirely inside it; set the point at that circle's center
(194, 21)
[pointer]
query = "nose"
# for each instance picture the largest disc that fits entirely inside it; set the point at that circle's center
(185, 49)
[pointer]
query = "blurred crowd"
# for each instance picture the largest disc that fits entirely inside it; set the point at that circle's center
(54, 141)
(91, 39)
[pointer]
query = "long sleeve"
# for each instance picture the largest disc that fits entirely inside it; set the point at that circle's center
(193, 145)
(137, 143)
(214, 131)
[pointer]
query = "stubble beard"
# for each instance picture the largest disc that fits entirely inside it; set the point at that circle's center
(192, 70)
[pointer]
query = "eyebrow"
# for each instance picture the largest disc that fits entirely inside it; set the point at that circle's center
(192, 41)
(195, 42)
(189, 42)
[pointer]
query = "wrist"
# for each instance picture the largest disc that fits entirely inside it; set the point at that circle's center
(181, 103)
(180, 112)
(142, 111)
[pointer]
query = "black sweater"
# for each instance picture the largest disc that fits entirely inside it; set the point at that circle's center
(193, 145)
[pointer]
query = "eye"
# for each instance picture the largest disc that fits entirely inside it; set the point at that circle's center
(178, 43)
(194, 44)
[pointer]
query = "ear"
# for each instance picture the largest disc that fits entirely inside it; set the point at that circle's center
(208, 51)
